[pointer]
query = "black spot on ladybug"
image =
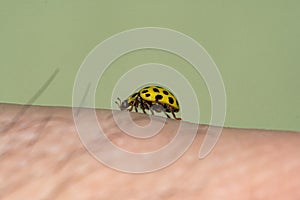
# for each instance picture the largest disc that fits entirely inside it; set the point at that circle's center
(158, 97)
(155, 90)
(166, 92)
(144, 91)
(171, 100)
(147, 95)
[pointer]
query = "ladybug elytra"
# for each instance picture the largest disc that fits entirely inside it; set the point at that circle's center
(153, 98)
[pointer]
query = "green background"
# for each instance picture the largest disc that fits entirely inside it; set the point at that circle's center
(255, 45)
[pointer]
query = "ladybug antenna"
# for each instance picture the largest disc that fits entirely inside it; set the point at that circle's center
(118, 103)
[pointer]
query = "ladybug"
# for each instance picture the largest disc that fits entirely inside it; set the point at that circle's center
(153, 98)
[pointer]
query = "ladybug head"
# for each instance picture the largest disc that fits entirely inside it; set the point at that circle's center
(123, 105)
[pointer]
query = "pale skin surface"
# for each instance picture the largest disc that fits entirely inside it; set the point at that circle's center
(42, 158)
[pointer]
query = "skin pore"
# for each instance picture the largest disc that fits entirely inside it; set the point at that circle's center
(42, 157)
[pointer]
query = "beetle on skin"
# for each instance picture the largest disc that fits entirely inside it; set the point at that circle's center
(153, 98)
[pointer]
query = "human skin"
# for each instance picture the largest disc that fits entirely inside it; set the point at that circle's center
(42, 157)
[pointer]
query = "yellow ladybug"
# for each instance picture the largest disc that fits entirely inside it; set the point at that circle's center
(153, 98)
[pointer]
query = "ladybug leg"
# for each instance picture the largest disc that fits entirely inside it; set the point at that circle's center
(143, 107)
(131, 107)
(167, 115)
(135, 108)
(148, 107)
(151, 110)
(177, 118)
(136, 105)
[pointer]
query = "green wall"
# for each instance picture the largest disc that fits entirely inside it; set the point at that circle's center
(255, 45)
